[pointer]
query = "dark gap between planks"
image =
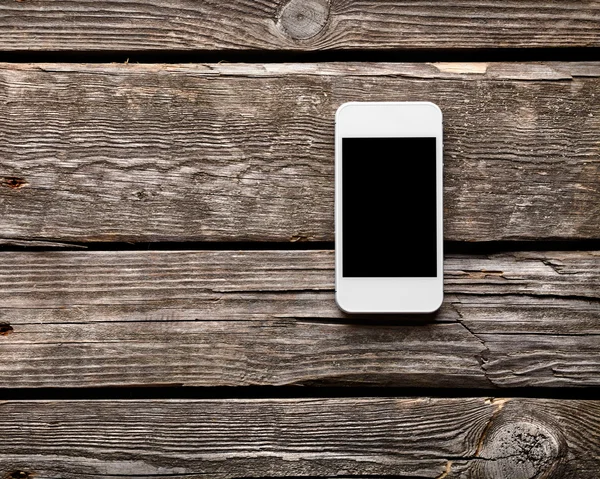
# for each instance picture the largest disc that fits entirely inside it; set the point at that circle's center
(171, 391)
(450, 247)
(567, 54)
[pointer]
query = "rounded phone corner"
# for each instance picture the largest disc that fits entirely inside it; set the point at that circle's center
(437, 305)
(338, 302)
(435, 107)
(342, 107)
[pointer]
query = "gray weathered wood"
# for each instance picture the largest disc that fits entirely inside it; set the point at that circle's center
(245, 152)
(231, 318)
(296, 25)
(475, 438)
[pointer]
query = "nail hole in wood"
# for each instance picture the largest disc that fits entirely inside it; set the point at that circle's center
(5, 329)
(19, 475)
(13, 182)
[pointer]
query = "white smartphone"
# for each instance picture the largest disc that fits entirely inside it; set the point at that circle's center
(388, 207)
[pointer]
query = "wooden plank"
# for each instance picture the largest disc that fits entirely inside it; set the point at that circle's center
(245, 152)
(350, 437)
(233, 318)
(185, 25)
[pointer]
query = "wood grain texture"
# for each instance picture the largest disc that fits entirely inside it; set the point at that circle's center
(475, 438)
(245, 152)
(233, 318)
(296, 25)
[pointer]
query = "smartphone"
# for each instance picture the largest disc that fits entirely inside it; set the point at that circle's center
(388, 207)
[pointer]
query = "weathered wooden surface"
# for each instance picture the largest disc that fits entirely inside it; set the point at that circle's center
(245, 152)
(472, 438)
(240, 152)
(296, 25)
(222, 318)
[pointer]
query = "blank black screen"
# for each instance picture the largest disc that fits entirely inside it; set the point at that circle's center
(389, 207)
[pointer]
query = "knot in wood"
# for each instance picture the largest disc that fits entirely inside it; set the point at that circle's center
(523, 449)
(303, 19)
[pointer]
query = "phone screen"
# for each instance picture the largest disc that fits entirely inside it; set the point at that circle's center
(389, 207)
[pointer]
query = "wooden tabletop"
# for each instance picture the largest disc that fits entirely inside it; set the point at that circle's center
(166, 242)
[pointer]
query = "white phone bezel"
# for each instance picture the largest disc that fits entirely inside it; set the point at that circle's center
(388, 119)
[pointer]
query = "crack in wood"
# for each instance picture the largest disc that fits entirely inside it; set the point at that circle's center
(499, 405)
(446, 471)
